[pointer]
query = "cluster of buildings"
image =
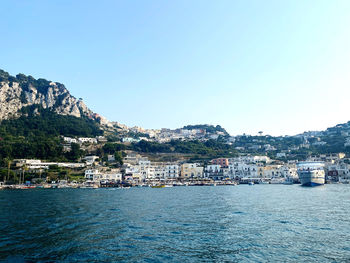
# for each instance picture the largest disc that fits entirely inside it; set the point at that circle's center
(166, 135)
(138, 169)
(67, 141)
(35, 165)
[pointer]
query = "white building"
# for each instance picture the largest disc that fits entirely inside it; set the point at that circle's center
(289, 171)
(212, 168)
(87, 140)
(91, 173)
(110, 158)
(90, 159)
(340, 169)
(240, 169)
(107, 177)
(213, 171)
(160, 172)
(250, 159)
(70, 140)
(129, 139)
(33, 164)
(172, 171)
(98, 176)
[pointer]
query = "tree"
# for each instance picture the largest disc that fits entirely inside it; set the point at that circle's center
(118, 157)
(75, 152)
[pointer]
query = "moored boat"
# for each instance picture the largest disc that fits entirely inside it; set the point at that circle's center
(277, 180)
(158, 186)
(288, 181)
(311, 173)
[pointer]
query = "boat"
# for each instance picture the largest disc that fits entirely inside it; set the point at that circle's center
(288, 181)
(311, 173)
(277, 180)
(158, 186)
(263, 182)
(251, 183)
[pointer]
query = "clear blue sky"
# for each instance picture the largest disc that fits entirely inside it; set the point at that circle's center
(282, 67)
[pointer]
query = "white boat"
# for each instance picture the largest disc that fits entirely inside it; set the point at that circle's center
(311, 173)
(251, 183)
(288, 181)
(264, 182)
(277, 180)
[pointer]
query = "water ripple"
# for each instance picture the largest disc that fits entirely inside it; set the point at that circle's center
(191, 224)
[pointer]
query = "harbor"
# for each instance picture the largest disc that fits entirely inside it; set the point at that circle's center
(139, 171)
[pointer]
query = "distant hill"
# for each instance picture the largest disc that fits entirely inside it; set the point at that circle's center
(34, 113)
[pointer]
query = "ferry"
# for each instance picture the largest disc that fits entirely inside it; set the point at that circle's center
(311, 173)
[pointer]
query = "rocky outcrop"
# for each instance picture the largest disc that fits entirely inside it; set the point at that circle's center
(21, 91)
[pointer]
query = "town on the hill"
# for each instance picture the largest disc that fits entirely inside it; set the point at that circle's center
(49, 138)
(127, 168)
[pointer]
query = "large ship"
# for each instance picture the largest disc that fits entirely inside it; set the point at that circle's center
(311, 173)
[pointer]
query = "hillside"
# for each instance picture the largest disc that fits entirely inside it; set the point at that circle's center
(34, 113)
(36, 134)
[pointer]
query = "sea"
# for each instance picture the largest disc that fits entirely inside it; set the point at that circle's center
(259, 223)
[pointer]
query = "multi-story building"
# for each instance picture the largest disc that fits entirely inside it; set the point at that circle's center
(337, 172)
(214, 171)
(37, 165)
(250, 159)
(107, 177)
(160, 172)
(90, 174)
(270, 171)
(220, 161)
(191, 170)
(241, 170)
(87, 140)
(90, 159)
(70, 140)
(172, 171)
(289, 171)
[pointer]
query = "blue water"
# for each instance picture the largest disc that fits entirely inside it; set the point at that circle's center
(260, 223)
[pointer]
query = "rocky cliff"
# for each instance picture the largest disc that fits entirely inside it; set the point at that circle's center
(21, 91)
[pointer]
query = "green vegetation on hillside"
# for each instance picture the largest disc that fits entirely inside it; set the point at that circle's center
(36, 134)
(210, 148)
